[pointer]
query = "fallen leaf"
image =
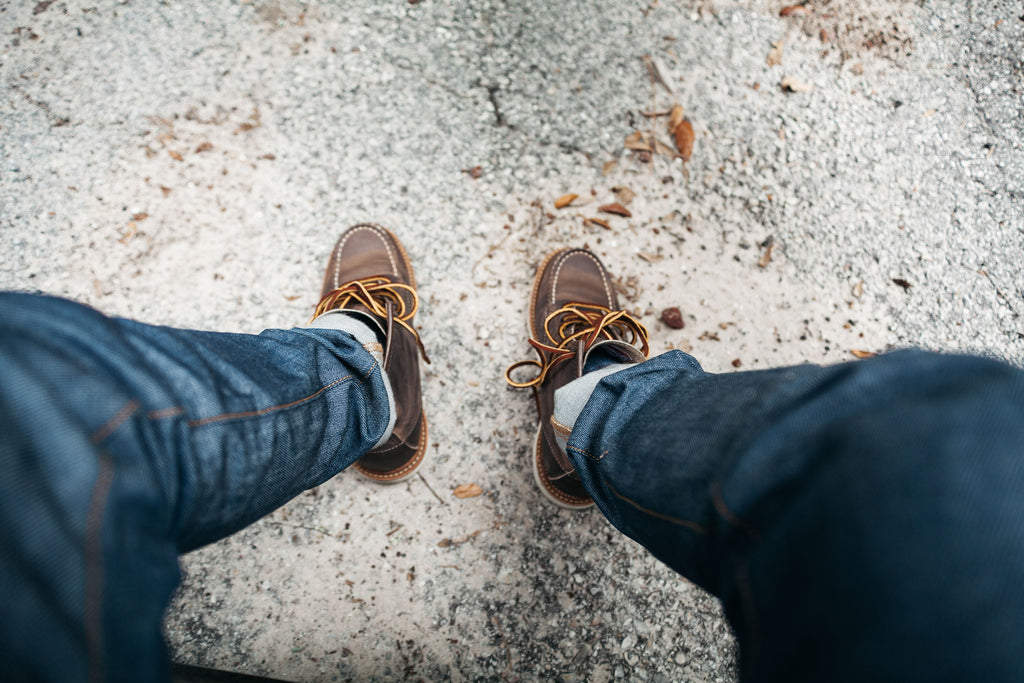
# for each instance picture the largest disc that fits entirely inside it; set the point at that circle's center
(649, 257)
(663, 149)
(862, 354)
(565, 200)
(774, 57)
(655, 73)
(204, 147)
(468, 491)
(608, 166)
(638, 141)
(615, 208)
(597, 221)
(858, 289)
(132, 231)
(675, 117)
(245, 127)
(794, 11)
(447, 542)
(684, 139)
(165, 190)
(673, 318)
(140, 216)
(793, 84)
(623, 194)
(268, 157)
(902, 283)
(174, 155)
(766, 257)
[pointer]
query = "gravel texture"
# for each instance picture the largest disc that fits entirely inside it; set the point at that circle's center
(191, 164)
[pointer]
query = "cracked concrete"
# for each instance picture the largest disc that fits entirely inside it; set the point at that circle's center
(289, 120)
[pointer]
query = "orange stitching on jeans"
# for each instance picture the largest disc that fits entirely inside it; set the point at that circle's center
(727, 514)
(580, 450)
(264, 411)
(693, 526)
(93, 617)
(165, 412)
(113, 423)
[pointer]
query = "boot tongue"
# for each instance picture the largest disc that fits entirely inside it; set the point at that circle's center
(610, 352)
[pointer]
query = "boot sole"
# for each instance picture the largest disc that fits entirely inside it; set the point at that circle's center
(405, 471)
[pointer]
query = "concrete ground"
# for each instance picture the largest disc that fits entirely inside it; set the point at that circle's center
(192, 163)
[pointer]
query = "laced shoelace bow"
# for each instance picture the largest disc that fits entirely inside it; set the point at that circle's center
(584, 324)
(383, 298)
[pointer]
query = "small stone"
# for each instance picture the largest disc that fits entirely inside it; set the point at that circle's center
(673, 318)
(680, 658)
(628, 642)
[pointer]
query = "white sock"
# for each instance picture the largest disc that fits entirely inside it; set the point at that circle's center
(365, 330)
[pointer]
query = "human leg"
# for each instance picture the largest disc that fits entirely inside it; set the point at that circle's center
(861, 521)
(125, 444)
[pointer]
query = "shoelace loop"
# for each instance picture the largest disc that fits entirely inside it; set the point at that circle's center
(384, 299)
(584, 324)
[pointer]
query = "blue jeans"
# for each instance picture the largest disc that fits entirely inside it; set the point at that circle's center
(123, 445)
(859, 522)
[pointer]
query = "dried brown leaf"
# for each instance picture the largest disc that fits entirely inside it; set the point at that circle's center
(609, 166)
(902, 283)
(794, 11)
(675, 117)
(204, 147)
(130, 233)
(774, 57)
(684, 139)
(565, 200)
(650, 257)
(165, 190)
(597, 221)
(766, 257)
(862, 354)
(793, 84)
(174, 155)
(858, 289)
(468, 491)
(140, 216)
(639, 141)
(663, 149)
(245, 127)
(615, 208)
(623, 194)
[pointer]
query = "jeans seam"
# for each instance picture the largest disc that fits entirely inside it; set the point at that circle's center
(201, 422)
(119, 418)
(94, 583)
(693, 526)
(592, 457)
(727, 514)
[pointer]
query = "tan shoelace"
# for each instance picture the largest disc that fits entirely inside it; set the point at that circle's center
(584, 324)
(383, 298)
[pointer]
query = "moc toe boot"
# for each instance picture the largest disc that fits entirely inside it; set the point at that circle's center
(574, 311)
(369, 274)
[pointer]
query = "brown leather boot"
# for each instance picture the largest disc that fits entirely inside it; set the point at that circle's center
(574, 311)
(370, 272)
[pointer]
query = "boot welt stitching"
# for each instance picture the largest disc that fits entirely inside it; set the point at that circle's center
(375, 229)
(409, 466)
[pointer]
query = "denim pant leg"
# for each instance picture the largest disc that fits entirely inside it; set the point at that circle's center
(859, 522)
(124, 444)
